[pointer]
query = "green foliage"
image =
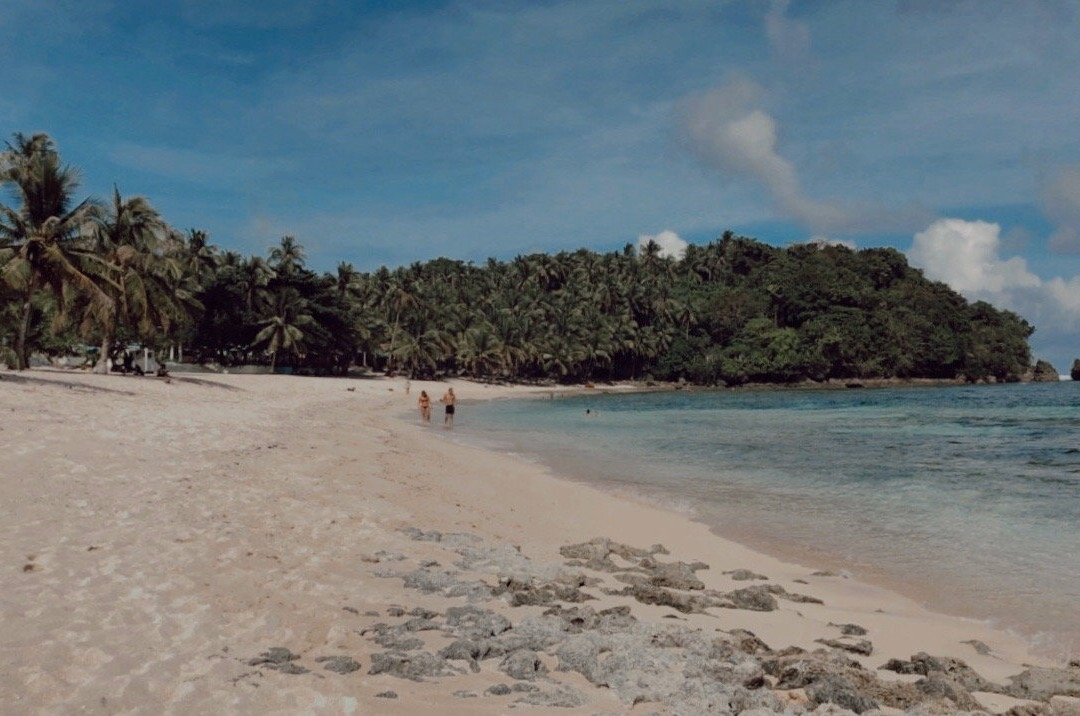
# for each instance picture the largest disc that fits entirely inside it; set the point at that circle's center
(733, 311)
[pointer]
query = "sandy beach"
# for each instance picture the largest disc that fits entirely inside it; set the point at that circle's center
(232, 544)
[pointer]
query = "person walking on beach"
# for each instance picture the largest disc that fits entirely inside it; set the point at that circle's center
(425, 407)
(450, 400)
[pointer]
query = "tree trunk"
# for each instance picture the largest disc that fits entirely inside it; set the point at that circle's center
(273, 361)
(22, 354)
(393, 336)
(103, 360)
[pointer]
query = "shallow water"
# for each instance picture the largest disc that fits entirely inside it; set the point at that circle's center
(967, 498)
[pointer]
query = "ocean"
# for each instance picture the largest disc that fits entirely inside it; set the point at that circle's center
(966, 498)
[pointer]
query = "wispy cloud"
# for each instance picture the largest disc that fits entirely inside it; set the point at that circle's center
(1060, 198)
(206, 169)
(728, 130)
(789, 39)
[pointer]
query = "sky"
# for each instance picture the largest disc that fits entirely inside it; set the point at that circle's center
(387, 132)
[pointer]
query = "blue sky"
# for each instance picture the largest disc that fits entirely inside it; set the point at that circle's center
(386, 132)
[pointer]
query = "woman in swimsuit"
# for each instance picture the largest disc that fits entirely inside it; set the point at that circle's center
(450, 400)
(425, 406)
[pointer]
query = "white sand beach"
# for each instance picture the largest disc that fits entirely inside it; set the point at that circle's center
(156, 537)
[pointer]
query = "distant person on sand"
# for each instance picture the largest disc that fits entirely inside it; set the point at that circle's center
(425, 406)
(450, 400)
(408, 386)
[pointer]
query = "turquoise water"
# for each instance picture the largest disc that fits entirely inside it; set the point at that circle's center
(967, 498)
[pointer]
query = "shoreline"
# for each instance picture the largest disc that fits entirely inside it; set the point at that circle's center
(807, 558)
(1043, 645)
(145, 569)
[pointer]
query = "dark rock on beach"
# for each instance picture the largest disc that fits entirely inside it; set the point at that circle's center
(562, 696)
(475, 622)
(855, 646)
(685, 603)
(1041, 684)
(412, 665)
(523, 664)
(339, 664)
(742, 575)
(938, 685)
(758, 598)
(837, 690)
(596, 553)
(279, 659)
(850, 629)
(675, 575)
(275, 655)
(681, 669)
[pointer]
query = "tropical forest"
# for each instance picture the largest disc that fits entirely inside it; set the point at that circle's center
(92, 276)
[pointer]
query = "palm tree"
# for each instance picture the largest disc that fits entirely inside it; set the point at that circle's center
(201, 257)
(44, 240)
(281, 329)
(287, 256)
(128, 237)
(255, 275)
(420, 353)
(346, 277)
(397, 299)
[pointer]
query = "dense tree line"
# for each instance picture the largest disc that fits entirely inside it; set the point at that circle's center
(109, 273)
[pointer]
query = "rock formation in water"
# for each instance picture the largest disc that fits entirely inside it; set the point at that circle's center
(1075, 372)
(1044, 372)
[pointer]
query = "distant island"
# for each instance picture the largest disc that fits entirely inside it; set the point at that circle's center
(113, 273)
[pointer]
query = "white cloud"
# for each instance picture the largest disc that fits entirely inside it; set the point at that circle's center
(671, 244)
(964, 254)
(819, 240)
(967, 256)
(1060, 197)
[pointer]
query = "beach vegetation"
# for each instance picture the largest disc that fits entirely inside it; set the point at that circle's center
(732, 311)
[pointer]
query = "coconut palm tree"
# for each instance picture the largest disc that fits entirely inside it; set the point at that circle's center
(287, 256)
(128, 236)
(255, 275)
(281, 330)
(44, 239)
(201, 258)
(346, 277)
(397, 299)
(421, 353)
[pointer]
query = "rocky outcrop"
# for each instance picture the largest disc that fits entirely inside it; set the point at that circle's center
(1041, 684)
(684, 670)
(1075, 372)
(1044, 373)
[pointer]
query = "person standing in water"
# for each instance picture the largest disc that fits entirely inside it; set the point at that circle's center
(450, 400)
(425, 407)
